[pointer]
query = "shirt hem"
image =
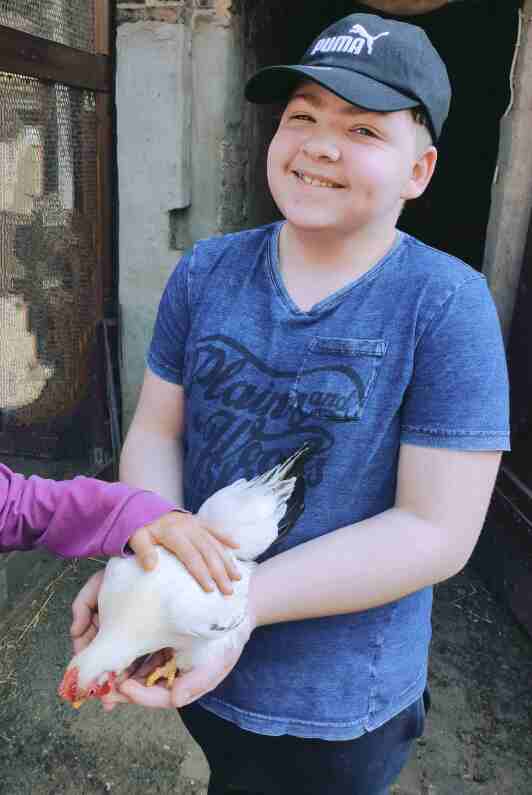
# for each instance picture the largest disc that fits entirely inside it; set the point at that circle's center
(481, 441)
(171, 376)
(275, 726)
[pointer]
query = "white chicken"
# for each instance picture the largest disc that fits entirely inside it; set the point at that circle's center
(142, 612)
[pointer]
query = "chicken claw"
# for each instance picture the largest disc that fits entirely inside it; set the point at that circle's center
(167, 671)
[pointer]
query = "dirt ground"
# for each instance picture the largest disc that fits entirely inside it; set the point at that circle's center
(477, 740)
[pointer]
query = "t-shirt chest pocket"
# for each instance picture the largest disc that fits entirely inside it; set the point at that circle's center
(336, 377)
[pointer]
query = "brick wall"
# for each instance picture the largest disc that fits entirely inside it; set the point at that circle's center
(149, 10)
(168, 10)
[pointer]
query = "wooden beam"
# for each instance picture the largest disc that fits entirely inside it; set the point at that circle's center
(105, 201)
(511, 206)
(105, 164)
(25, 54)
(102, 38)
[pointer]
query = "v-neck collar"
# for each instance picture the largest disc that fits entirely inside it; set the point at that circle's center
(333, 298)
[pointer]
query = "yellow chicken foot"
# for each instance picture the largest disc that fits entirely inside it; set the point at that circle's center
(167, 671)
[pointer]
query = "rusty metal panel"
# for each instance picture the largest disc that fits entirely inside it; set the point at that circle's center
(51, 287)
(69, 22)
(56, 236)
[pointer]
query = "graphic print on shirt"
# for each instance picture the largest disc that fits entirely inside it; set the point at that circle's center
(253, 415)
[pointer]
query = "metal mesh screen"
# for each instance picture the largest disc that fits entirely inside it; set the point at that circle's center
(48, 277)
(70, 22)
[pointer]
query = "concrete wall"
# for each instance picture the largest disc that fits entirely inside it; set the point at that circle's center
(174, 73)
(191, 153)
(154, 177)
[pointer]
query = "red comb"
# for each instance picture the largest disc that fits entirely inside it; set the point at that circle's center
(68, 689)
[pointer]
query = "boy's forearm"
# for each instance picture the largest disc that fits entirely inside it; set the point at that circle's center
(355, 568)
(150, 461)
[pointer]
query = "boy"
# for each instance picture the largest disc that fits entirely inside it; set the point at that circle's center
(331, 327)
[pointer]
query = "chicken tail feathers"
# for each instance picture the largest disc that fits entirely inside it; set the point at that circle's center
(294, 508)
(293, 466)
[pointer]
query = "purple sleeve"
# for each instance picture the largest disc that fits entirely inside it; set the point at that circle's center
(72, 518)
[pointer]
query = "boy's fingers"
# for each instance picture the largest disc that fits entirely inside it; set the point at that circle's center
(155, 697)
(143, 546)
(81, 642)
(81, 621)
(190, 686)
(112, 699)
(84, 605)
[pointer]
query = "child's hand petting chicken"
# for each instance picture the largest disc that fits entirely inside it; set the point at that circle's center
(202, 550)
(142, 612)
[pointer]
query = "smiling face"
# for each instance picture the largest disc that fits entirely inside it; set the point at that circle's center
(333, 166)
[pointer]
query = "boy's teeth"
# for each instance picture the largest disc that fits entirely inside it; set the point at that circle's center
(318, 182)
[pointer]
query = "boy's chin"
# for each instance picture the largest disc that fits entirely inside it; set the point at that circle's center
(319, 224)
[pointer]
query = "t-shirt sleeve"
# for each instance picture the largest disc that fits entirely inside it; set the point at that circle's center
(458, 397)
(167, 349)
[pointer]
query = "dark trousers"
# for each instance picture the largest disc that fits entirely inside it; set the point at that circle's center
(245, 762)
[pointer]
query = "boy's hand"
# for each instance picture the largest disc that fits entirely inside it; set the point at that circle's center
(85, 613)
(201, 550)
(187, 687)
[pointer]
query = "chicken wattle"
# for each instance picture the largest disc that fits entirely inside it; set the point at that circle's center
(143, 612)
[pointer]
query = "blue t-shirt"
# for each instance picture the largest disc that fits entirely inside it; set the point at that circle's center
(410, 352)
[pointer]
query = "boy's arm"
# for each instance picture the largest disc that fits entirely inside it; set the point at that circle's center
(441, 501)
(152, 455)
(152, 458)
(72, 518)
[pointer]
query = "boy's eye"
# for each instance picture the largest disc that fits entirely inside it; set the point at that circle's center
(301, 117)
(365, 131)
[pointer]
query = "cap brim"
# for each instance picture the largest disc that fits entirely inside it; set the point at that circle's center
(275, 84)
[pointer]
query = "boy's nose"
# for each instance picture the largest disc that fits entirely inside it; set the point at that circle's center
(321, 149)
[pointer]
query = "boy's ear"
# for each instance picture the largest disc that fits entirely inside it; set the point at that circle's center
(422, 171)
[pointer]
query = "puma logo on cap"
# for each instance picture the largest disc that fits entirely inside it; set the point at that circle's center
(350, 44)
(370, 40)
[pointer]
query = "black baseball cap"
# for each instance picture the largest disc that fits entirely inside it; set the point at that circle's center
(375, 63)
